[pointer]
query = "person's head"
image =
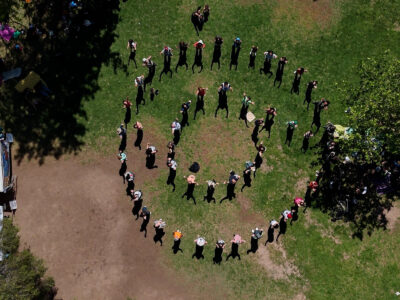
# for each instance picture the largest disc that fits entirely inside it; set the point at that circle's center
(144, 60)
(226, 83)
(206, 7)
(254, 48)
(165, 48)
(270, 52)
(130, 42)
(232, 173)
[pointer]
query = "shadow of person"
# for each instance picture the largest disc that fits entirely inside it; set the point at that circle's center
(234, 251)
(159, 235)
(176, 246)
(218, 255)
(137, 206)
(253, 246)
(198, 252)
(143, 227)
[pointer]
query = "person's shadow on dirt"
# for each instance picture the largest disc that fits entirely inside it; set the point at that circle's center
(253, 246)
(234, 251)
(198, 252)
(159, 235)
(176, 247)
(137, 206)
(143, 227)
(218, 255)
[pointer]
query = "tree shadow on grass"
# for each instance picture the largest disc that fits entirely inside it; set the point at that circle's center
(68, 56)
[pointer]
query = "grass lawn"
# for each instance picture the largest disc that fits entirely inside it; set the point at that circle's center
(329, 38)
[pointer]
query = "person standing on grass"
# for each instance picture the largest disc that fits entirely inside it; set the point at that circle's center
(153, 93)
(139, 83)
(177, 241)
(184, 111)
(296, 81)
(122, 158)
(191, 180)
(130, 179)
(252, 57)
(246, 101)
(235, 53)
(151, 65)
(167, 52)
(295, 209)
(198, 58)
(151, 156)
(236, 241)
(218, 41)
(171, 150)
(306, 141)
(279, 71)
(219, 249)
(310, 192)
(291, 126)
(159, 226)
(223, 98)
(310, 86)
(268, 57)
(132, 51)
(318, 107)
(283, 223)
(272, 226)
(126, 104)
(259, 158)
(230, 188)
(206, 13)
(200, 243)
(247, 175)
(145, 214)
(172, 172)
(122, 135)
(254, 135)
(211, 184)
(200, 100)
(182, 61)
(256, 234)
(197, 20)
(136, 197)
(139, 134)
(269, 120)
(176, 131)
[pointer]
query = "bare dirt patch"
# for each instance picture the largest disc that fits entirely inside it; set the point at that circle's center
(393, 216)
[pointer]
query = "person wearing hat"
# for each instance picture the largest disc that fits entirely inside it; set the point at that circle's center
(139, 83)
(122, 135)
(230, 188)
(130, 179)
(191, 181)
(145, 214)
(159, 226)
(200, 243)
(172, 172)
(136, 197)
(167, 52)
(198, 58)
(235, 242)
(182, 61)
(259, 158)
(256, 234)
(219, 249)
(177, 241)
(272, 226)
(218, 41)
(132, 51)
(176, 131)
(296, 81)
(253, 54)
(287, 214)
(279, 71)
(150, 156)
(139, 134)
(122, 158)
(268, 57)
(310, 87)
(200, 100)
(235, 53)
(246, 101)
(291, 126)
(223, 98)
(147, 62)
(211, 184)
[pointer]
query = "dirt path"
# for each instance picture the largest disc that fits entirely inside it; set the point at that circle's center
(77, 218)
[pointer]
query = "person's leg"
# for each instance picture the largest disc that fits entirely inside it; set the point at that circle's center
(187, 66)
(216, 111)
(227, 111)
(201, 68)
(243, 186)
(280, 82)
(193, 68)
(226, 197)
(163, 70)
(230, 66)
(212, 62)
(176, 68)
(236, 67)
(219, 64)
(134, 60)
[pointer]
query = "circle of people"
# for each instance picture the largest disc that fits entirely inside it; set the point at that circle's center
(198, 20)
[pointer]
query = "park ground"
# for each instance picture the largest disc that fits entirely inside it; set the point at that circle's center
(73, 212)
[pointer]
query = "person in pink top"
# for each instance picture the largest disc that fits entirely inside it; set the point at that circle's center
(236, 241)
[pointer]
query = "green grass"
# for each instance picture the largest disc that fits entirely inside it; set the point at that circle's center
(332, 264)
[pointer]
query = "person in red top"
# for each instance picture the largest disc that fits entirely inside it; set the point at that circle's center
(200, 100)
(127, 105)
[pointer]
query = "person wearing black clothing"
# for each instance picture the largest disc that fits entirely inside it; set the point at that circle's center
(219, 249)
(150, 156)
(252, 57)
(200, 101)
(122, 157)
(145, 214)
(184, 111)
(223, 98)
(198, 58)
(153, 93)
(147, 62)
(159, 228)
(122, 135)
(211, 184)
(258, 160)
(268, 57)
(128, 114)
(230, 188)
(176, 131)
(289, 131)
(139, 134)
(310, 86)
(130, 179)
(139, 83)
(136, 197)
(279, 71)
(256, 234)
(172, 172)
(269, 120)
(182, 61)
(167, 52)
(270, 235)
(197, 20)
(318, 107)
(191, 180)
(235, 53)
(206, 13)
(282, 227)
(306, 141)
(254, 135)
(296, 81)
(217, 51)
(246, 101)
(246, 178)
(132, 51)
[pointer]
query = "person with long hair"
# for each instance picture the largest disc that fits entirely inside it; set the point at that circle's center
(198, 58)
(296, 81)
(218, 41)
(132, 51)
(139, 83)
(182, 61)
(167, 53)
(151, 65)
